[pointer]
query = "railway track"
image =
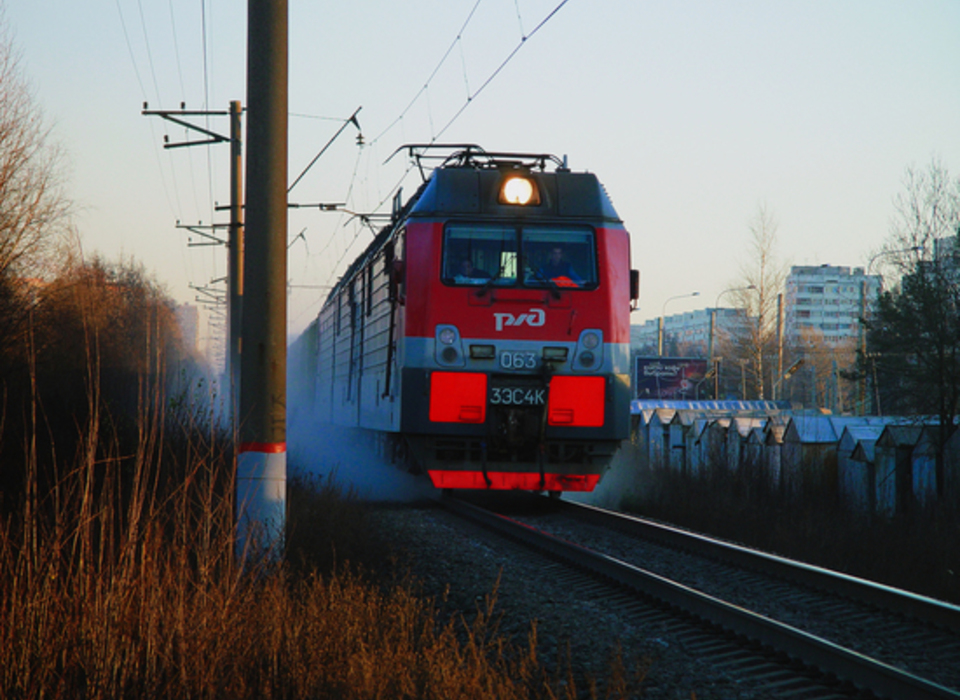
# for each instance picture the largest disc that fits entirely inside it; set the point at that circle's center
(795, 630)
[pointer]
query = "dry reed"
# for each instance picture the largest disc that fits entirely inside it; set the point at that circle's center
(119, 581)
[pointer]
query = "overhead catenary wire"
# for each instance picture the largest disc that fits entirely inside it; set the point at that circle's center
(146, 42)
(176, 47)
(471, 96)
(206, 107)
(437, 112)
(150, 25)
(183, 92)
(503, 64)
(173, 201)
(351, 120)
(433, 75)
(126, 36)
(519, 19)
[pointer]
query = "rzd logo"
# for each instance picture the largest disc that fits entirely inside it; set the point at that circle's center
(533, 317)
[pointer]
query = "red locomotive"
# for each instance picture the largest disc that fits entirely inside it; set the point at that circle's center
(484, 334)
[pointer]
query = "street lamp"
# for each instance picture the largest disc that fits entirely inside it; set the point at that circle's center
(786, 375)
(713, 323)
(696, 389)
(663, 312)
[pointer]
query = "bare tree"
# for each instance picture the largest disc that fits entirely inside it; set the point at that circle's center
(33, 207)
(927, 211)
(761, 280)
(823, 381)
(913, 338)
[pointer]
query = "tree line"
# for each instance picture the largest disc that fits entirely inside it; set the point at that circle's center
(83, 342)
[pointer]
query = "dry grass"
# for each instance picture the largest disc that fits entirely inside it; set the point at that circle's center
(109, 591)
(119, 581)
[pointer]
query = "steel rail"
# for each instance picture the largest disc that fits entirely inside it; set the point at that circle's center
(930, 610)
(863, 672)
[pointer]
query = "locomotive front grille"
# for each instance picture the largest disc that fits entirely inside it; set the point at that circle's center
(455, 452)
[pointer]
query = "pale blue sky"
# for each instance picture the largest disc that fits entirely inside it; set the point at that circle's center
(692, 113)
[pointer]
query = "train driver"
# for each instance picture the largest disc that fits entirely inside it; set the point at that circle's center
(559, 271)
(468, 274)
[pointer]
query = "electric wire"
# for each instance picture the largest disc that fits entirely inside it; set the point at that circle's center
(426, 83)
(133, 62)
(143, 96)
(156, 86)
(176, 47)
(146, 42)
(519, 19)
(183, 92)
(520, 45)
(350, 120)
(301, 115)
(358, 226)
(423, 92)
(206, 107)
(470, 96)
(463, 64)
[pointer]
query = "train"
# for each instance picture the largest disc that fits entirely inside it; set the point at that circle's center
(483, 336)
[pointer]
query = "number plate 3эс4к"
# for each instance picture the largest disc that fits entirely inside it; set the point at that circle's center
(518, 396)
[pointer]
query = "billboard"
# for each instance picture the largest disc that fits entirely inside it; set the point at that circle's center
(677, 378)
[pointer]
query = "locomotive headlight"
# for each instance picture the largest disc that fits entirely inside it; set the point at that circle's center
(589, 352)
(448, 349)
(590, 341)
(447, 336)
(518, 189)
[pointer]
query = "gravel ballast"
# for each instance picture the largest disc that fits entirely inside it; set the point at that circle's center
(460, 565)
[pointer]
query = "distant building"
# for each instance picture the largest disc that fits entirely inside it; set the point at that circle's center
(828, 301)
(688, 332)
(946, 254)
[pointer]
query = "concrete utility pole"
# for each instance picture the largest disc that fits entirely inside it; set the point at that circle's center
(262, 457)
(235, 247)
(235, 240)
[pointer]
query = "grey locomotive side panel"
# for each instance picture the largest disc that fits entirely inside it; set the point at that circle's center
(323, 395)
(357, 371)
(378, 384)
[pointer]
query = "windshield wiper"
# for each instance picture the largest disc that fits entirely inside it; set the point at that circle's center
(489, 283)
(554, 288)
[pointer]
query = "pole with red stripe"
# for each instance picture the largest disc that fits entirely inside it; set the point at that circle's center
(262, 455)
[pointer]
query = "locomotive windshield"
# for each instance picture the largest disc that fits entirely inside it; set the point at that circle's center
(531, 256)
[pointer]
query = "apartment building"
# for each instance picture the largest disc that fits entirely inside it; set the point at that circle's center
(687, 333)
(827, 301)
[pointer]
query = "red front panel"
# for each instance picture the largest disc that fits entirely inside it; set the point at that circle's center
(526, 481)
(576, 401)
(458, 397)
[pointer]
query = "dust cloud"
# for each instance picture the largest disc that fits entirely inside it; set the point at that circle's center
(349, 457)
(623, 480)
